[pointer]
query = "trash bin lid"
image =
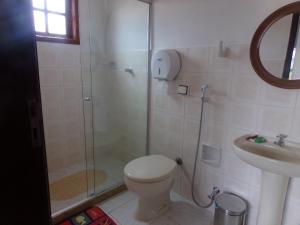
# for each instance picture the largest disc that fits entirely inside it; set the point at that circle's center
(231, 204)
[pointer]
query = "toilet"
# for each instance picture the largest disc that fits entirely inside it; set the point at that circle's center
(151, 178)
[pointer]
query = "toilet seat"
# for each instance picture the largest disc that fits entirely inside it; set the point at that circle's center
(148, 169)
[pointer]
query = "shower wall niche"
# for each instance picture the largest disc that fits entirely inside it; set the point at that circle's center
(95, 99)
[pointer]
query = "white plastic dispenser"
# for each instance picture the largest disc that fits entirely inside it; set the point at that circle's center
(166, 65)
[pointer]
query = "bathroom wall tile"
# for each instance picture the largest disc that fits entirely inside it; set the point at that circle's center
(191, 130)
(213, 134)
(73, 129)
(185, 185)
(72, 95)
(177, 181)
(184, 58)
(219, 86)
(175, 124)
(240, 103)
(50, 76)
(62, 104)
(216, 111)
(241, 57)
(246, 88)
(243, 115)
(197, 60)
(207, 179)
(86, 78)
(195, 81)
(237, 187)
(298, 99)
(52, 114)
(158, 86)
(55, 164)
(232, 134)
(159, 101)
(73, 53)
(175, 134)
(193, 107)
(237, 169)
(47, 54)
(54, 148)
(54, 132)
(171, 86)
(71, 76)
(274, 96)
(159, 120)
(174, 147)
(75, 147)
(166, 134)
(273, 121)
(221, 64)
(51, 96)
(72, 112)
(175, 104)
(248, 73)
(295, 130)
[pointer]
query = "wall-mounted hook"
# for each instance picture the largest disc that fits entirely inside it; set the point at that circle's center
(222, 50)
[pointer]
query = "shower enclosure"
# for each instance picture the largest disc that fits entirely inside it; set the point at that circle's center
(115, 90)
(114, 53)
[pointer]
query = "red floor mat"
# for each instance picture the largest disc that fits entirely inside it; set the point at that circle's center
(92, 216)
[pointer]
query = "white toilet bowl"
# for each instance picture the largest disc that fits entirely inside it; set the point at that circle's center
(151, 178)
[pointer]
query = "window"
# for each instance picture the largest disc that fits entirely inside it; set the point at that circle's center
(56, 20)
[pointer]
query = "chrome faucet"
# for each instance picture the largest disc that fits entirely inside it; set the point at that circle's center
(280, 140)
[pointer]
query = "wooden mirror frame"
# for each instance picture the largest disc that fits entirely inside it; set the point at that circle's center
(255, 45)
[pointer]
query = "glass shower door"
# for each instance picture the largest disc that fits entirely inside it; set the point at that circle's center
(115, 76)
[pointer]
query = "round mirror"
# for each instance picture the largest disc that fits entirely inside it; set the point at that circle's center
(275, 48)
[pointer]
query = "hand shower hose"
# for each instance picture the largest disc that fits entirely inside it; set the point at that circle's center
(216, 190)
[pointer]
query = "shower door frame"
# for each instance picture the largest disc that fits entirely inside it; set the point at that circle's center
(98, 197)
(147, 147)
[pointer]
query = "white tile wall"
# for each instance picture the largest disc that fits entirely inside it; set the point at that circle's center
(240, 103)
(61, 88)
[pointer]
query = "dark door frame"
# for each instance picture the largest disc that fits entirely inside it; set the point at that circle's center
(23, 171)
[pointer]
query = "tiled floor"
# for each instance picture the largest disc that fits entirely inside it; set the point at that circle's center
(122, 207)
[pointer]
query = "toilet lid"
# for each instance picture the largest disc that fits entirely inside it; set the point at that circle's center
(151, 168)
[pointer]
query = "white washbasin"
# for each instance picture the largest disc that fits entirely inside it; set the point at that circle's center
(278, 165)
(270, 157)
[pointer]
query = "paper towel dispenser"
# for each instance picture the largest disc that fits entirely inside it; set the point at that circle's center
(166, 64)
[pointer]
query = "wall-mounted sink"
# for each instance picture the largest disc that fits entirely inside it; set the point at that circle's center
(283, 160)
(278, 164)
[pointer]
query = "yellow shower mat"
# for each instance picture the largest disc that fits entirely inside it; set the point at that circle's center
(75, 184)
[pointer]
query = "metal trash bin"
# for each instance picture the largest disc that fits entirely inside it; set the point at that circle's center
(230, 210)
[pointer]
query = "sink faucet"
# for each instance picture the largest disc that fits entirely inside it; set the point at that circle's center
(280, 140)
